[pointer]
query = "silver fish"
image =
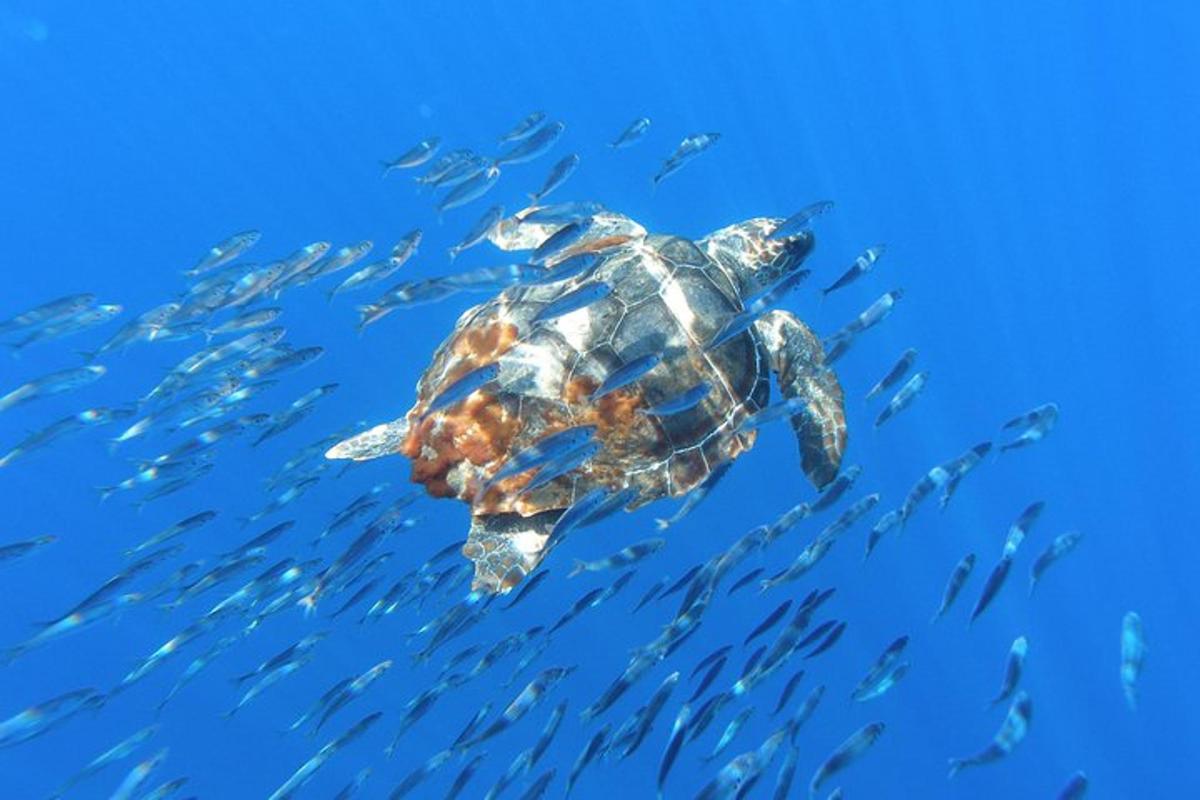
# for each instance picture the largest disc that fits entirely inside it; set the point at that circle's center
(861, 266)
(525, 128)
(1075, 788)
(39, 719)
(756, 307)
(897, 371)
(541, 452)
(572, 301)
(54, 383)
(138, 776)
(224, 251)
(115, 753)
(1061, 545)
(1012, 670)
(622, 558)
(627, 374)
(877, 312)
(464, 387)
(84, 320)
(867, 688)
(559, 174)
(1038, 423)
(632, 133)
(479, 231)
(530, 147)
(302, 776)
(48, 313)
(93, 417)
(1133, 654)
(415, 156)
(684, 401)
(904, 397)
(958, 578)
(472, 189)
(687, 150)
(1012, 732)
(801, 220)
(561, 241)
(594, 747)
(845, 754)
(675, 743)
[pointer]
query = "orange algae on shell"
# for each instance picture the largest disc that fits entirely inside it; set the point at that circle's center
(480, 430)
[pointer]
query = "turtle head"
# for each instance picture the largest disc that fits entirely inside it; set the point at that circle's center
(751, 257)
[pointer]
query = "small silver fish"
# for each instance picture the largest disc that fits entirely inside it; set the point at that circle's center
(622, 558)
(525, 128)
(861, 266)
(534, 145)
(904, 397)
(687, 150)
(54, 383)
(224, 251)
(479, 231)
(572, 301)
(1012, 732)
(472, 189)
(1012, 670)
(801, 220)
(632, 133)
(898, 371)
(1133, 654)
(558, 175)
(415, 156)
(845, 754)
(1061, 545)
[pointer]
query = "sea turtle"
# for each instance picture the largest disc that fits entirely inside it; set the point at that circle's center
(668, 295)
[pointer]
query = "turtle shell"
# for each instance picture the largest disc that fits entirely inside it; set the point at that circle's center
(667, 296)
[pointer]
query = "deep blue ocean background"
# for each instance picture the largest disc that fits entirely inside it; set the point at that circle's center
(1032, 168)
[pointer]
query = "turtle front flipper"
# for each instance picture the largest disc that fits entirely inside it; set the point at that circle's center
(799, 365)
(382, 440)
(507, 547)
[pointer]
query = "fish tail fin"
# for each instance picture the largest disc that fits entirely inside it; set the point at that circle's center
(308, 603)
(579, 566)
(1032, 581)
(106, 492)
(662, 523)
(956, 765)
(7, 458)
(332, 293)
(88, 355)
(365, 314)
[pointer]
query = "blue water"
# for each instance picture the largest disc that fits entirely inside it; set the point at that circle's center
(1031, 169)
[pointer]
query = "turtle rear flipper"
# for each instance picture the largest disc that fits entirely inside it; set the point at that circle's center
(798, 362)
(507, 547)
(382, 440)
